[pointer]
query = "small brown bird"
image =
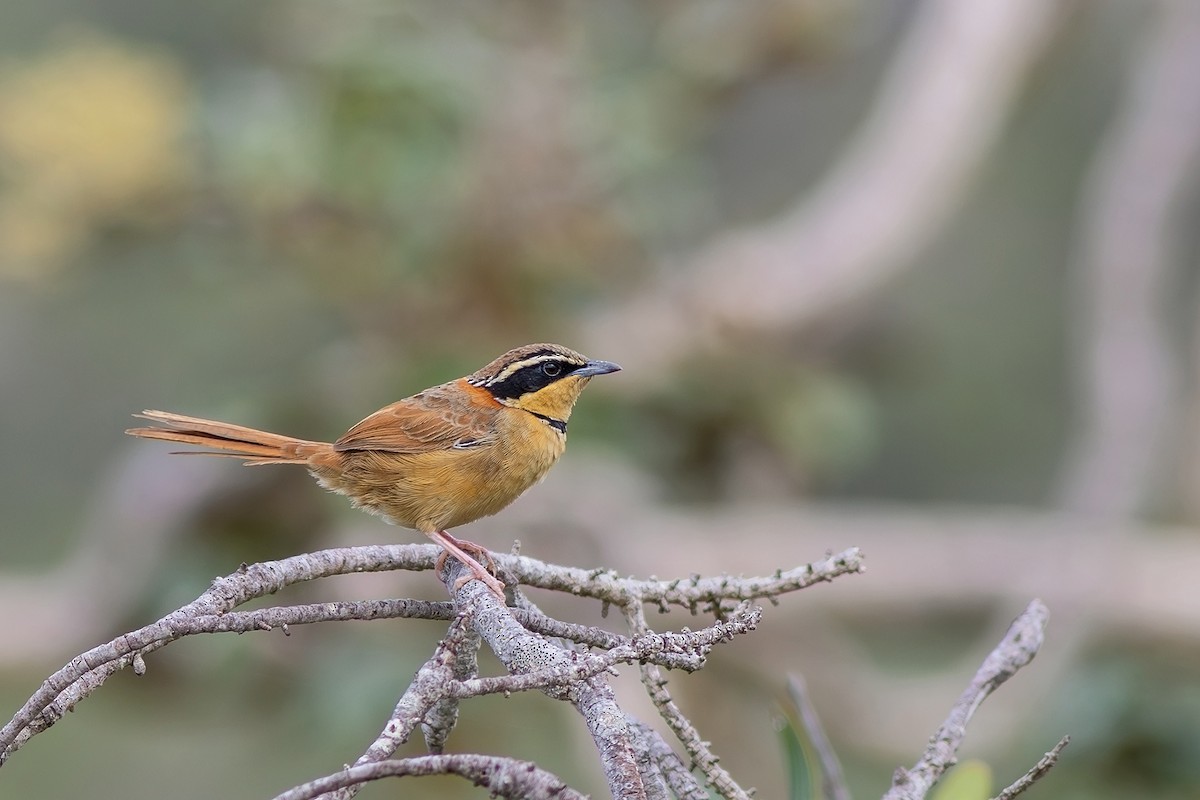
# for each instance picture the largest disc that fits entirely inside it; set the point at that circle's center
(439, 459)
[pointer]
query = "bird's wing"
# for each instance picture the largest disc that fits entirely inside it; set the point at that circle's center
(437, 419)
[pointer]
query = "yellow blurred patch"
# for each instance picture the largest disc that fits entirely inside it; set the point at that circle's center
(89, 134)
(970, 780)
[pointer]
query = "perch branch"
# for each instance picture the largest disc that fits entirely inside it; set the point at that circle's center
(534, 661)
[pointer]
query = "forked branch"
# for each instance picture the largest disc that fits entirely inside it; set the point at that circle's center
(553, 656)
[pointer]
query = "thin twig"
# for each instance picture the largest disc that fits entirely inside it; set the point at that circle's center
(656, 687)
(88, 671)
(418, 700)
(505, 777)
(833, 782)
(1016, 649)
(691, 592)
(687, 647)
(1044, 764)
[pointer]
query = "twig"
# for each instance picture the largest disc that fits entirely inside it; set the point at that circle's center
(690, 592)
(505, 777)
(833, 782)
(439, 685)
(418, 700)
(656, 687)
(1016, 649)
(88, 671)
(687, 648)
(1044, 764)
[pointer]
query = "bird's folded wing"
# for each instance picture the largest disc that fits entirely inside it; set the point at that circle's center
(420, 425)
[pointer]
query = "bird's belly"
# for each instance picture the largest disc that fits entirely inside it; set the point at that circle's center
(441, 489)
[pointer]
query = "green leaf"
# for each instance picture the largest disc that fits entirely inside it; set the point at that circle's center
(798, 762)
(971, 780)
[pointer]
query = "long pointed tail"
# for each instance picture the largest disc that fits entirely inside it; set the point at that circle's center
(233, 441)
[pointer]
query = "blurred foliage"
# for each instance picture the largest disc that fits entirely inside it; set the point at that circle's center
(1136, 723)
(290, 213)
(91, 138)
(802, 767)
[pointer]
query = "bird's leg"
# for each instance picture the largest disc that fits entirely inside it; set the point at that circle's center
(471, 547)
(458, 548)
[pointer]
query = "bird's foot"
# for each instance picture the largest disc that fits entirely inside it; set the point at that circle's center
(461, 549)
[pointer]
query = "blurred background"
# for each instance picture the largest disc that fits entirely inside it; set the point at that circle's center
(918, 276)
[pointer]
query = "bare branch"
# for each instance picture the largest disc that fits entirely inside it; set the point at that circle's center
(417, 702)
(1044, 764)
(438, 685)
(656, 687)
(505, 777)
(266, 619)
(701, 754)
(1016, 649)
(685, 649)
(686, 592)
(833, 782)
(85, 673)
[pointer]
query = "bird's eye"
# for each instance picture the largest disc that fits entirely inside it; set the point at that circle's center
(551, 369)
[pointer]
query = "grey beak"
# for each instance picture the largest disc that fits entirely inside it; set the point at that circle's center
(595, 368)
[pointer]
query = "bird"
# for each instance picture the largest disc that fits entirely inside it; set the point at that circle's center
(439, 459)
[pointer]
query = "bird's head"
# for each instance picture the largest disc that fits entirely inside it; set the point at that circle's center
(543, 379)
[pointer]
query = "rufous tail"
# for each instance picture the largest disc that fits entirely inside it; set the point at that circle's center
(233, 441)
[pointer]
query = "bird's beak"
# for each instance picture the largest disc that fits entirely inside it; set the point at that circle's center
(595, 368)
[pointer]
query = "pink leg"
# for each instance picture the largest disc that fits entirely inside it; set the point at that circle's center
(457, 548)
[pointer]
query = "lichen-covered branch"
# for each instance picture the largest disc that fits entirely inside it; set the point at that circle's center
(656, 687)
(503, 777)
(88, 671)
(539, 652)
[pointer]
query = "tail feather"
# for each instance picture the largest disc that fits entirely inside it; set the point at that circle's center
(232, 441)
